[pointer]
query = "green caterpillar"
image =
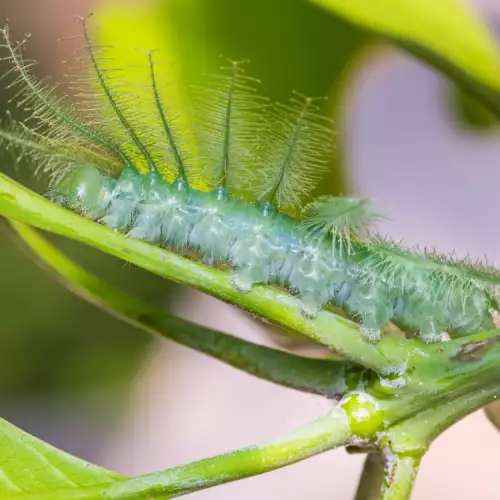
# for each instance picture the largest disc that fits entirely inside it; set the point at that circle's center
(260, 161)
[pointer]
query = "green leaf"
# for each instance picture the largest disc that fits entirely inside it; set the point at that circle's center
(28, 465)
(193, 34)
(444, 32)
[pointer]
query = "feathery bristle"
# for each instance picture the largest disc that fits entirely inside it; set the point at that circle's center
(103, 80)
(51, 156)
(50, 113)
(231, 124)
(395, 265)
(173, 149)
(343, 218)
(298, 144)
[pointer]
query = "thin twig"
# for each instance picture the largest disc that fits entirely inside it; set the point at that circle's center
(324, 377)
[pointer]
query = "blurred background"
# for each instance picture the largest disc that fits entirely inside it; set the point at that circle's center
(428, 156)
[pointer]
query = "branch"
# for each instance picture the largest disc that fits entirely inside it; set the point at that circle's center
(449, 368)
(324, 377)
(331, 330)
(400, 475)
(323, 434)
(372, 477)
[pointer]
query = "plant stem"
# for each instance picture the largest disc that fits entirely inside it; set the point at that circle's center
(372, 477)
(325, 377)
(431, 362)
(461, 366)
(279, 307)
(317, 437)
(399, 477)
(323, 434)
(413, 435)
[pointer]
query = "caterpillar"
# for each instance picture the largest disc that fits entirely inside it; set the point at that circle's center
(120, 163)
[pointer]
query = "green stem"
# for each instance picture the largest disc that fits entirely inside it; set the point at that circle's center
(324, 434)
(403, 445)
(457, 365)
(326, 377)
(279, 307)
(372, 477)
(416, 433)
(399, 477)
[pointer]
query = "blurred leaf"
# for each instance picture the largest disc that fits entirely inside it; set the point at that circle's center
(298, 48)
(49, 351)
(28, 465)
(445, 33)
(471, 113)
(301, 49)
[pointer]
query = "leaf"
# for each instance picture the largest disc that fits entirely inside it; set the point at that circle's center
(131, 33)
(192, 35)
(28, 465)
(446, 33)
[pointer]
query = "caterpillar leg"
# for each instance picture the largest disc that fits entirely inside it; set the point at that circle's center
(429, 332)
(341, 291)
(246, 276)
(374, 321)
(252, 260)
(312, 276)
(473, 316)
(120, 214)
(177, 225)
(149, 219)
(371, 334)
(372, 303)
(147, 226)
(212, 237)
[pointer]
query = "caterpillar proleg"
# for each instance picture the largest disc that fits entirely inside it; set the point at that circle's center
(125, 167)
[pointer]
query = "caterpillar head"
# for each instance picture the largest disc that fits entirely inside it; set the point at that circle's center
(83, 190)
